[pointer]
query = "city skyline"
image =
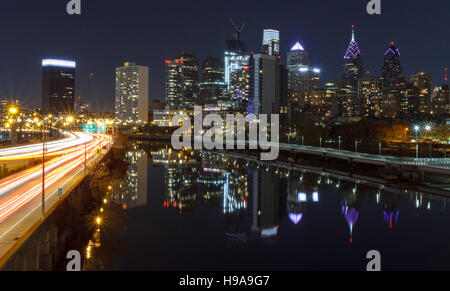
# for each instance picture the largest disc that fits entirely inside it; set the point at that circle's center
(374, 37)
(232, 136)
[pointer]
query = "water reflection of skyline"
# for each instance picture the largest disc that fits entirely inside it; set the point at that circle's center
(132, 191)
(262, 195)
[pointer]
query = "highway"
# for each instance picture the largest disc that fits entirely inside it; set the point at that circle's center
(54, 148)
(20, 194)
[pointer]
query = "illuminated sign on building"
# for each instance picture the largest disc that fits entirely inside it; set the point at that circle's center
(58, 63)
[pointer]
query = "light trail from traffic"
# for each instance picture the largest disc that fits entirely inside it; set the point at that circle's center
(18, 190)
(54, 148)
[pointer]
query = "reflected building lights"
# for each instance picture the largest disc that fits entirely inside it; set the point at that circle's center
(132, 192)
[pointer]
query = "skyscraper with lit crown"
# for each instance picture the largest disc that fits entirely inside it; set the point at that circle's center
(392, 68)
(58, 86)
(353, 63)
(302, 79)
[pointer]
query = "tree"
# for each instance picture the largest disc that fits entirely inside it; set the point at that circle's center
(442, 132)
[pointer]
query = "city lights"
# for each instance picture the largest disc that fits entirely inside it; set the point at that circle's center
(166, 136)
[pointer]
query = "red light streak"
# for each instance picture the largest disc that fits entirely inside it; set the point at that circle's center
(20, 189)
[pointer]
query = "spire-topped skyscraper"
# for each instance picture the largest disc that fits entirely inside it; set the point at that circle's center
(353, 64)
(353, 49)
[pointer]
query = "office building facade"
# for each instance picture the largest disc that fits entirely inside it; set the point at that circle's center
(265, 89)
(271, 42)
(182, 82)
(212, 88)
(58, 86)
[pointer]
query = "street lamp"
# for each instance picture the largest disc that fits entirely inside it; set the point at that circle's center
(15, 110)
(417, 129)
(428, 130)
(12, 111)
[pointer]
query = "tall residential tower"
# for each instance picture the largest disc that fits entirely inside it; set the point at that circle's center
(132, 93)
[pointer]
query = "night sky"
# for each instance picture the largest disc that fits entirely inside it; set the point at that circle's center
(108, 33)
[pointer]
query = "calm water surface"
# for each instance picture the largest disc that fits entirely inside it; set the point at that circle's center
(204, 211)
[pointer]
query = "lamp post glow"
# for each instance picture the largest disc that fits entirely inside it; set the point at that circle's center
(428, 130)
(13, 111)
(417, 129)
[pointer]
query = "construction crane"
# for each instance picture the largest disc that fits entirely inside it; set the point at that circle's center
(238, 30)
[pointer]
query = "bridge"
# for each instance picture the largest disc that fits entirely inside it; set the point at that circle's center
(441, 166)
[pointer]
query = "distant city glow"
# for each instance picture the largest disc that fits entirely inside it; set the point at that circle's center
(58, 63)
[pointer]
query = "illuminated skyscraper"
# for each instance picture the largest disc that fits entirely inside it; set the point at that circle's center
(58, 86)
(297, 60)
(240, 85)
(132, 93)
(409, 102)
(393, 96)
(212, 89)
(441, 101)
(236, 57)
(271, 42)
(394, 101)
(340, 98)
(182, 82)
(422, 81)
(353, 64)
(369, 97)
(265, 85)
(302, 79)
(392, 68)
